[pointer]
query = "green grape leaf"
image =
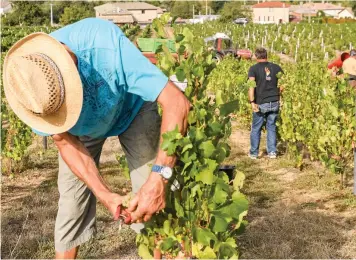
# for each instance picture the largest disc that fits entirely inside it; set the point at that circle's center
(179, 38)
(218, 223)
(238, 180)
(219, 195)
(167, 244)
(180, 73)
(207, 253)
(144, 252)
(229, 107)
(218, 98)
(207, 148)
(226, 251)
(178, 207)
(167, 227)
(206, 175)
(203, 236)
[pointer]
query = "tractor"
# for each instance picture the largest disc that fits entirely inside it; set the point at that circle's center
(223, 46)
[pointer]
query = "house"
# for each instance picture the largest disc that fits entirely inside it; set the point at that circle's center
(298, 12)
(128, 12)
(329, 9)
(346, 13)
(271, 12)
(5, 7)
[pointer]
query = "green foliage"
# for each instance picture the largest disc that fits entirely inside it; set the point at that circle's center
(233, 10)
(216, 6)
(76, 12)
(146, 33)
(315, 40)
(201, 218)
(318, 115)
(184, 9)
(26, 13)
(11, 34)
(123, 166)
(229, 79)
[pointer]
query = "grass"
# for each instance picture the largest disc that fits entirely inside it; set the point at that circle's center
(29, 208)
(292, 214)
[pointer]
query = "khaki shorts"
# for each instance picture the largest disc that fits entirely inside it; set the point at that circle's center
(75, 222)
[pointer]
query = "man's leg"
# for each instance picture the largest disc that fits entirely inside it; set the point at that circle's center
(271, 132)
(75, 223)
(140, 144)
(255, 137)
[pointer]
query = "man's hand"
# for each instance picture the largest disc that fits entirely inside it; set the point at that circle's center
(255, 107)
(150, 199)
(112, 202)
(79, 160)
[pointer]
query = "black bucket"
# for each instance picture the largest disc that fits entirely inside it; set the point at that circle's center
(229, 170)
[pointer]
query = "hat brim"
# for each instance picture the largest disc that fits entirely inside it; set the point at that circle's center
(68, 114)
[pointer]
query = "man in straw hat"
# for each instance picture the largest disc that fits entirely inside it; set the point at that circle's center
(84, 83)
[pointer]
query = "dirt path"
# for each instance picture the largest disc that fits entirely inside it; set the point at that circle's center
(292, 214)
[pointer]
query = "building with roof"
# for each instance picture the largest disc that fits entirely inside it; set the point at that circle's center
(299, 12)
(128, 12)
(5, 7)
(346, 13)
(271, 12)
(329, 9)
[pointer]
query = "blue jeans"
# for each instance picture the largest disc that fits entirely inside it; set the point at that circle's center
(268, 112)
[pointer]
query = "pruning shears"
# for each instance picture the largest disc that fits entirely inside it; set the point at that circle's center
(122, 215)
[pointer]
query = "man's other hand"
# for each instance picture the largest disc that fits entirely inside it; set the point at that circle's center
(150, 199)
(255, 107)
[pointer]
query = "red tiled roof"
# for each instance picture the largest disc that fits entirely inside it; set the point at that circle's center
(271, 5)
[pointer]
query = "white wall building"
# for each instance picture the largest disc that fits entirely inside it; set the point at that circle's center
(128, 12)
(271, 12)
(346, 13)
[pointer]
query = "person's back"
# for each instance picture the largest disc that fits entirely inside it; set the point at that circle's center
(264, 99)
(114, 76)
(265, 74)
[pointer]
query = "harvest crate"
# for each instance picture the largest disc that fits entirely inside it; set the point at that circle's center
(152, 44)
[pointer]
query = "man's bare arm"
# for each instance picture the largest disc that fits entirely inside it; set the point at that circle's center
(151, 196)
(78, 159)
(251, 96)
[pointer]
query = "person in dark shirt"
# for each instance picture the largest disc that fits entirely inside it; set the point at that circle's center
(264, 98)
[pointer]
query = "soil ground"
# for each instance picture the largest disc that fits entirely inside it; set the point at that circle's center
(292, 214)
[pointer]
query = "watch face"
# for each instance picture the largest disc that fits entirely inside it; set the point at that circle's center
(166, 172)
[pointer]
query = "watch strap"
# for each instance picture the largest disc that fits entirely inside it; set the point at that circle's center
(157, 168)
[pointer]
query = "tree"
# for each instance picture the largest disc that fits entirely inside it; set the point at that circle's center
(353, 6)
(216, 6)
(233, 10)
(185, 9)
(57, 7)
(26, 13)
(77, 11)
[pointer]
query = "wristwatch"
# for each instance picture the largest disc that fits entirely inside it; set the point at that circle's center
(164, 171)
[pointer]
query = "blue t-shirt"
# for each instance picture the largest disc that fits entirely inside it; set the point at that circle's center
(116, 77)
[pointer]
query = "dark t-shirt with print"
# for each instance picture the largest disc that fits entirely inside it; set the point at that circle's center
(265, 74)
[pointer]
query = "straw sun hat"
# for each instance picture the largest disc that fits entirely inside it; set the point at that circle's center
(42, 84)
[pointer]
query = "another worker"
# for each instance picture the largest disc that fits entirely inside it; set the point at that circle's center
(84, 83)
(349, 68)
(264, 99)
(336, 65)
